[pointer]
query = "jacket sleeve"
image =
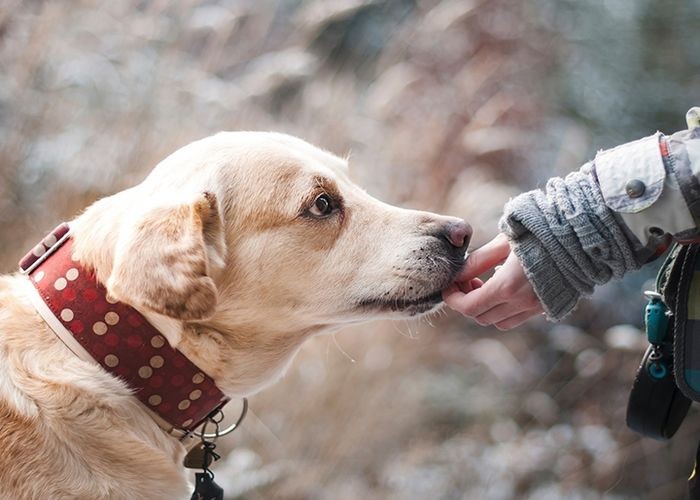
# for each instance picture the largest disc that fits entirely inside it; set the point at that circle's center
(653, 183)
(612, 216)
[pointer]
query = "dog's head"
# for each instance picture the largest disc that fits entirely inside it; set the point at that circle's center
(265, 234)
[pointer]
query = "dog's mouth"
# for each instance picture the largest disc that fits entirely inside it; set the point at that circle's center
(408, 300)
(410, 306)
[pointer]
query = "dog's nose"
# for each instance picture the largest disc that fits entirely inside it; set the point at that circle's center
(458, 233)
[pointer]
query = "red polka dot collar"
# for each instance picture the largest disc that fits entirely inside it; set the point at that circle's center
(117, 337)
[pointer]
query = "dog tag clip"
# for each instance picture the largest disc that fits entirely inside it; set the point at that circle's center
(201, 457)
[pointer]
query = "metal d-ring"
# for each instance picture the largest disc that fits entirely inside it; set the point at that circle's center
(209, 435)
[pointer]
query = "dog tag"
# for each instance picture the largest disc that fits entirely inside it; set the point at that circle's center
(205, 488)
(198, 458)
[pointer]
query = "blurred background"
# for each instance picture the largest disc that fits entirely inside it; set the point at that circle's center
(452, 106)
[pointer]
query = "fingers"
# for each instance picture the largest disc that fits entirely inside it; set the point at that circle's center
(475, 302)
(458, 289)
(506, 300)
(503, 313)
(485, 258)
(499, 313)
(517, 320)
(469, 285)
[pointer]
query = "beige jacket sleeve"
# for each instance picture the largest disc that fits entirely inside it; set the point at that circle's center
(653, 184)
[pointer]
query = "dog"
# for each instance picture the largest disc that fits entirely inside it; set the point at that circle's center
(236, 248)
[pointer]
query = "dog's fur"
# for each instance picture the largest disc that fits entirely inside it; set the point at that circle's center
(221, 250)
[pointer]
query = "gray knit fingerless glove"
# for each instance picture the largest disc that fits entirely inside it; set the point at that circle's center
(567, 240)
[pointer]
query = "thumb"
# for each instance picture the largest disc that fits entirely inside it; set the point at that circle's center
(485, 258)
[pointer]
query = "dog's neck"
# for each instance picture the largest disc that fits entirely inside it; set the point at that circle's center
(240, 364)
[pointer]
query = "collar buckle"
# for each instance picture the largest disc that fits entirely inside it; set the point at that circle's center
(44, 249)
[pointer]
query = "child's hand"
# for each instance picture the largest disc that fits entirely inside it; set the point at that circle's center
(506, 300)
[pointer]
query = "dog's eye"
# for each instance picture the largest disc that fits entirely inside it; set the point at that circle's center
(323, 205)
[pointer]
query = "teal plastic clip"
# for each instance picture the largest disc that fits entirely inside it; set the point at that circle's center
(656, 318)
(658, 370)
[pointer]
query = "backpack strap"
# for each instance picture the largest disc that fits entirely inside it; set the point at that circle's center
(686, 310)
(656, 406)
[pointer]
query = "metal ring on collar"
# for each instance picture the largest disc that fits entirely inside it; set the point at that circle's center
(228, 430)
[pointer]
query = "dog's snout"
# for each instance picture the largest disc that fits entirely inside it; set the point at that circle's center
(458, 233)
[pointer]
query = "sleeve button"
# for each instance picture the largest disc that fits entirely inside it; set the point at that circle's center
(635, 188)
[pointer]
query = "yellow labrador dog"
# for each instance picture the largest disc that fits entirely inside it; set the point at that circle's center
(237, 248)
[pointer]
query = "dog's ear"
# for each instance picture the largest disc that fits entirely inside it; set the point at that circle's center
(164, 261)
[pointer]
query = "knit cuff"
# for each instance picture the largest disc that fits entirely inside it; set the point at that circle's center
(567, 240)
(557, 296)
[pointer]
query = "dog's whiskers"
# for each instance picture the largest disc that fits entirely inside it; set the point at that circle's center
(409, 333)
(337, 344)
